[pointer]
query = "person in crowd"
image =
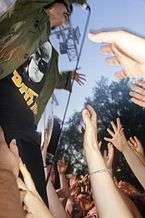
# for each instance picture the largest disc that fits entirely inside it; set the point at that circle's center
(10, 205)
(134, 157)
(26, 25)
(101, 180)
(29, 74)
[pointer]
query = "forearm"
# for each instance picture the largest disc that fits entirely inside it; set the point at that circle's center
(55, 206)
(136, 164)
(106, 196)
(63, 182)
(10, 205)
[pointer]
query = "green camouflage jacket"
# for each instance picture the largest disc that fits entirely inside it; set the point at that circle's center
(23, 28)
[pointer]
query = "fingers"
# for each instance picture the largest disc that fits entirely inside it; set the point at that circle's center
(106, 49)
(81, 83)
(2, 137)
(102, 37)
(138, 89)
(79, 78)
(112, 61)
(110, 132)
(119, 126)
(92, 113)
(138, 143)
(110, 150)
(14, 148)
(120, 75)
(27, 178)
(141, 83)
(86, 116)
(138, 102)
(138, 96)
(21, 184)
(114, 126)
(100, 144)
(108, 139)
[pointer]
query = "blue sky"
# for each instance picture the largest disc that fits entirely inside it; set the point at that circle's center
(105, 14)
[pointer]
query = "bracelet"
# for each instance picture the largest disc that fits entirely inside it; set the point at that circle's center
(45, 166)
(104, 170)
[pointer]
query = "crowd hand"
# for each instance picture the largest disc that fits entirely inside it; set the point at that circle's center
(9, 155)
(78, 77)
(137, 93)
(62, 193)
(61, 166)
(32, 201)
(90, 121)
(118, 138)
(127, 188)
(69, 207)
(126, 49)
(136, 145)
(108, 156)
(46, 141)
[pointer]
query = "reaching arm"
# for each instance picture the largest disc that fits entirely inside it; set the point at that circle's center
(62, 166)
(135, 161)
(55, 206)
(136, 164)
(106, 195)
(126, 49)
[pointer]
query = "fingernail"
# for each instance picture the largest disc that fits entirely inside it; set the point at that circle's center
(131, 93)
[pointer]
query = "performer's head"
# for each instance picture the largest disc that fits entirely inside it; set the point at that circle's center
(58, 12)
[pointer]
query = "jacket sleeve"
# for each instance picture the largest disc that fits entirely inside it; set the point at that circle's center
(64, 81)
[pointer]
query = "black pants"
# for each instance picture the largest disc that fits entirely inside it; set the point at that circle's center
(30, 153)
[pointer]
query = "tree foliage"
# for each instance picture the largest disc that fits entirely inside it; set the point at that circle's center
(110, 100)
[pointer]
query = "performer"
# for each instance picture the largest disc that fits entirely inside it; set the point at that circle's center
(29, 73)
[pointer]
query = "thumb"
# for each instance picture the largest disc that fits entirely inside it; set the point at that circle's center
(2, 137)
(13, 148)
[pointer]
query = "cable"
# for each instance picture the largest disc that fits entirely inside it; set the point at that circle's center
(86, 7)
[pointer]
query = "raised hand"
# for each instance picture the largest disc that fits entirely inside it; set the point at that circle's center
(127, 188)
(117, 136)
(62, 166)
(136, 145)
(90, 121)
(126, 49)
(137, 93)
(78, 77)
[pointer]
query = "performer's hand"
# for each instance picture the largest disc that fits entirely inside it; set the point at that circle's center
(78, 77)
